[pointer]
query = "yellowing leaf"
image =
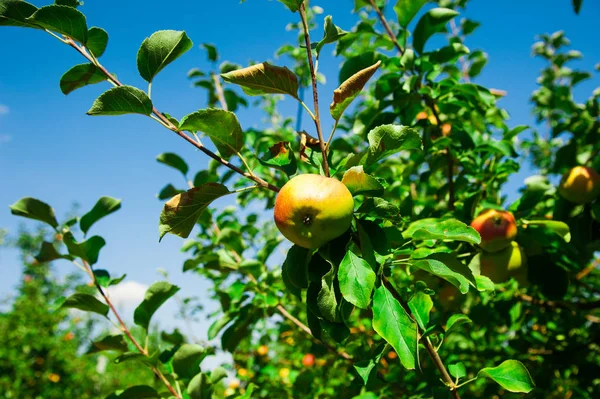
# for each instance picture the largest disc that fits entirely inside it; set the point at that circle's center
(358, 182)
(347, 92)
(264, 78)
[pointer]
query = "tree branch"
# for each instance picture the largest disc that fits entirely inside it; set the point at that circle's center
(387, 27)
(164, 121)
(313, 76)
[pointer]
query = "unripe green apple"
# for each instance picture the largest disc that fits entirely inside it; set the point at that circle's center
(580, 185)
(501, 266)
(496, 228)
(311, 210)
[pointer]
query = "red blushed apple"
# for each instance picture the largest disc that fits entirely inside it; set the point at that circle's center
(308, 360)
(580, 185)
(311, 210)
(496, 228)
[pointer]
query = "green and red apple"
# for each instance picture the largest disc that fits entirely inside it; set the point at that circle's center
(496, 228)
(311, 210)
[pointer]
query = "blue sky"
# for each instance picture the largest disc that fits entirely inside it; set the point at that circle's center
(49, 148)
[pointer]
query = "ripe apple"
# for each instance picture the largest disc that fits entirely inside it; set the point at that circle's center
(308, 360)
(580, 185)
(311, 210)
(496, 228)
(501, 266)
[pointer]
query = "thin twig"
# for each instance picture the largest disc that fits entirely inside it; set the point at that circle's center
(387, 27)
(313, 76)
(124, 328)
(173, 128)
(219, 90)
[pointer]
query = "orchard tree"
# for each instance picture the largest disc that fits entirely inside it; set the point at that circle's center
(409, 275)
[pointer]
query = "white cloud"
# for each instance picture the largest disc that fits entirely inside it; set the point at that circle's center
(127, 295)
(4, 109)
(5, 138)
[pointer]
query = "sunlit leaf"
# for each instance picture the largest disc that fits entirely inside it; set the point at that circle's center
(407, 9)
(187, 359)
(264, 78)
(347, 92)
(394, 325)
(16, 13)
(122, 100)
(432, 22)
(511, 375)
(281, 157)
(358, 182)
(331, 34)
(174, 161)
(159, 50)
(97, 41)
(79, 76)
(32, 208)
(442, 229)
(62, 19)
(357, 280)
(87, 303)
(104, 207)
(114, 342)
(420, 305)
(155, 296)
(221, 126)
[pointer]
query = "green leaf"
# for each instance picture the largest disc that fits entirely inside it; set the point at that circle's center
(156, 295)
(169, 191)
(456, 320)
(200, 387)
(292, 5)
(357, 280)
(48, 253)
(249, 391)
(331, 34)
(391, 321)
(174, 161)
(104, 207)
(321, 296)
(347, 92)
(218, 325)
(97, 41)
(114, 342)
(139, 392)
(159, 50)
(295, 266)
(218, 374)
(264, 78)
(457, 277)
(511, 375)
(407, 9)
(120, 101)
(151, 360)
(32, 208)
(102, 277)
(211, 50)
(364, 368)
(457, 370)
(85, 302)
(358, 182)
(281, 157)
(442, 229)
(70, 3)
(16, 13)
(432, 22)
(221, 126)
(62, 19)
(90, 249)
(420, 305)
(187, 359)
(386, 140)
(79, 76)
(180, 213)
(577, 5)
(560, 228)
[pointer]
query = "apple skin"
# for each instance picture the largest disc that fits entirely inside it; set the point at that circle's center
(311, 210)
(501, 266)
(580, 185)
(496, 228)
(308, 360)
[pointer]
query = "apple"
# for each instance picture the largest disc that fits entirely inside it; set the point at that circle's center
(580, 185)
(501, 266)
(496, 228)
(311, 210)
(263, 350)
(308, 360)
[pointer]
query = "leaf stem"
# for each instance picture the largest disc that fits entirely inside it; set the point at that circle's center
(313, 76)
(307, 109)
(219, 90)
(331, 134)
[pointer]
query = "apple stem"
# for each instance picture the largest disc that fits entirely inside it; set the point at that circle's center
(313, 76)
